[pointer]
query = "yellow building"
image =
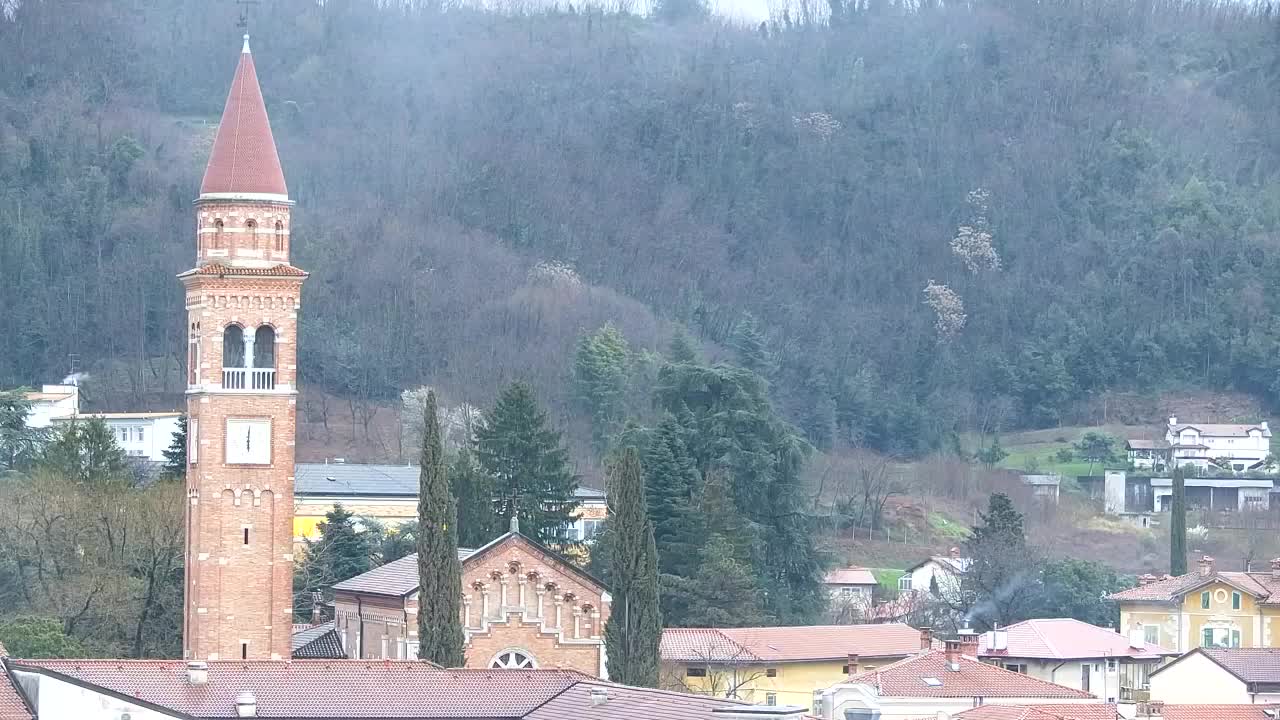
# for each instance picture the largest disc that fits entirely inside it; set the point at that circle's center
(1205, 609)
(780, 665)
(389, 494)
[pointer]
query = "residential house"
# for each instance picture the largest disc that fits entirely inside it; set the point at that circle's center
(389, 494)
(938, 575)
(51, 402)
(1099, 711)
(851, 586)
(937, 683)
(343, 690)
(1236, 447)
(778, 665)
(524, 606)
(142, 435)
(1206, 608)
(1220, 675)
(1065, 651)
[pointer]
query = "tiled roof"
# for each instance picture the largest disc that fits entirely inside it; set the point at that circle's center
(12, 706)
(1262, 585)
(244, 158)
(789, 644)
(1220, 429)
(1250, 665)
(945, 562)
(1138, 444)
(321, 688)
(1064, 639)
(1216, 712)
(359, 479)
(628, 703)
(319, 642)
(273, 271)
(397, 578)
(907, 678)
(1082, 711)
(850, 576)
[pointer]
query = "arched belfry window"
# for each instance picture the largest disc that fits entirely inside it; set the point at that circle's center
(513, 659)
(233, 347)
(264, 347)
(217, 233)
(279, 236)
(251, 229)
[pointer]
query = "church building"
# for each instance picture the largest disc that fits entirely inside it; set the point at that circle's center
(242, 300)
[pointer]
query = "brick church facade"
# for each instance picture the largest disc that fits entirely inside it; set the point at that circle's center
(242, 300)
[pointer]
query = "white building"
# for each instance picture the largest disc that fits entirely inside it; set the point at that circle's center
(940, 573)
(1220, 675)
(1232, 447)
(143, 435)
(854, 585)
(51, 402)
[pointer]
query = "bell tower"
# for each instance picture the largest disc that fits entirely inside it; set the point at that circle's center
(242, 319)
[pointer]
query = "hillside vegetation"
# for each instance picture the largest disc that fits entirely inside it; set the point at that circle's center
(944, 216)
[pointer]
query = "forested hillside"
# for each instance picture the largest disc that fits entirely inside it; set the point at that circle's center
(942, 216)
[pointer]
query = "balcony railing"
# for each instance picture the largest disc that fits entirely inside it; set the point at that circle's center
(248, 379)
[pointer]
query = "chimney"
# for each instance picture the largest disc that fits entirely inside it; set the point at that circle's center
(1153, 709)
(1146, 579)
(197, 672)
(853, 664)
(246, 705)
(953, 655)
(926, 634)
(1263, 425)
(1206, 566)
(954, 552)
(968, 642)
(599, 696)
(1173, 420)
(317, 599)
(1275, 567)
(1136, 637)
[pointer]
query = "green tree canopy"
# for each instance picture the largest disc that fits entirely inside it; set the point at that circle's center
(634, 630)
(85, 451)
(440, 634)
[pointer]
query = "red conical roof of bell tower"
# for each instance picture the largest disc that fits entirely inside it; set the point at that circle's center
(244, 159)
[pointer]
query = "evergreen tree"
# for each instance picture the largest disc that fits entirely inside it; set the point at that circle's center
(1002, 582)
(175, 456)
(749, 346)
(473, 489)
(682, 348)
(85, 451)
(1001, 523)
(528, 465)
(634, 629)
(342, 552)
(19, 443)
(671, 486)
(1178, 524)
(440, 636)
(600, 380)
(722, 592)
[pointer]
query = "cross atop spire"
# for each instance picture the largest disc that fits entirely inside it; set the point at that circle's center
(244, 162)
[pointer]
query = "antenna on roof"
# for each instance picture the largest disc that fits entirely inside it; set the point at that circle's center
(243, 22)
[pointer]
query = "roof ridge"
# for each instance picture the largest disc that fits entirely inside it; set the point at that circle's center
(1035, 628)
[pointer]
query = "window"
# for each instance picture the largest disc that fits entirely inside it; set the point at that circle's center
(264, 347)
(771, 699)
(246, 536)
(932, 681)
(1016, 667)
(1219, 637)
(244, 649)
(1204, 600)
(846, 590)
(248, 441)
(695, 672)
(217, 233)
(193, 355)
(904, 582)
(251, 227)
(1112, 665)
(233, 347)
(1235, 601)
(513, 660)
(771, 672)
(1151, 634)
(280, 243)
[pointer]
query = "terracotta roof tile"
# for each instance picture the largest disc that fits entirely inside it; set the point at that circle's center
(789, 644)
(12, 706)
(274, 270)
(1216, 712)
(1251, 665)
(630, 703)
(1259, 584)
(850, 576)
(1063, 639)
(906, 678)
(1082, 711)
(244, 158)
(352, 689)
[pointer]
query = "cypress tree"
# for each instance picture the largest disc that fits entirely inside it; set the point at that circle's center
(1178, 524)
(634, 629)
(440, 635)
(528, 465)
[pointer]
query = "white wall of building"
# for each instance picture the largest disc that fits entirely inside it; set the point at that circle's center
(141, 435)
(836, 701)
(56, 698)
(1196, 679)
(53, 401)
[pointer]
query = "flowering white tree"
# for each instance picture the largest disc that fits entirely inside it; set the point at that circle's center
(458, 424)
(553, 273)
(821, 124)
(973, 242)
(948, 308)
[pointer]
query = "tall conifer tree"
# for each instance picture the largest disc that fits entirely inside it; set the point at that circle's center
(440, 636)
(671, 484)
(635, 625)
(1178, 524)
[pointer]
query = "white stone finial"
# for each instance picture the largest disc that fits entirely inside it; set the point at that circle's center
(245, 49)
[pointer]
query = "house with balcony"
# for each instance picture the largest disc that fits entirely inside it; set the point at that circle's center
(1206, 608)
(1110, 666)
(1236, 447)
